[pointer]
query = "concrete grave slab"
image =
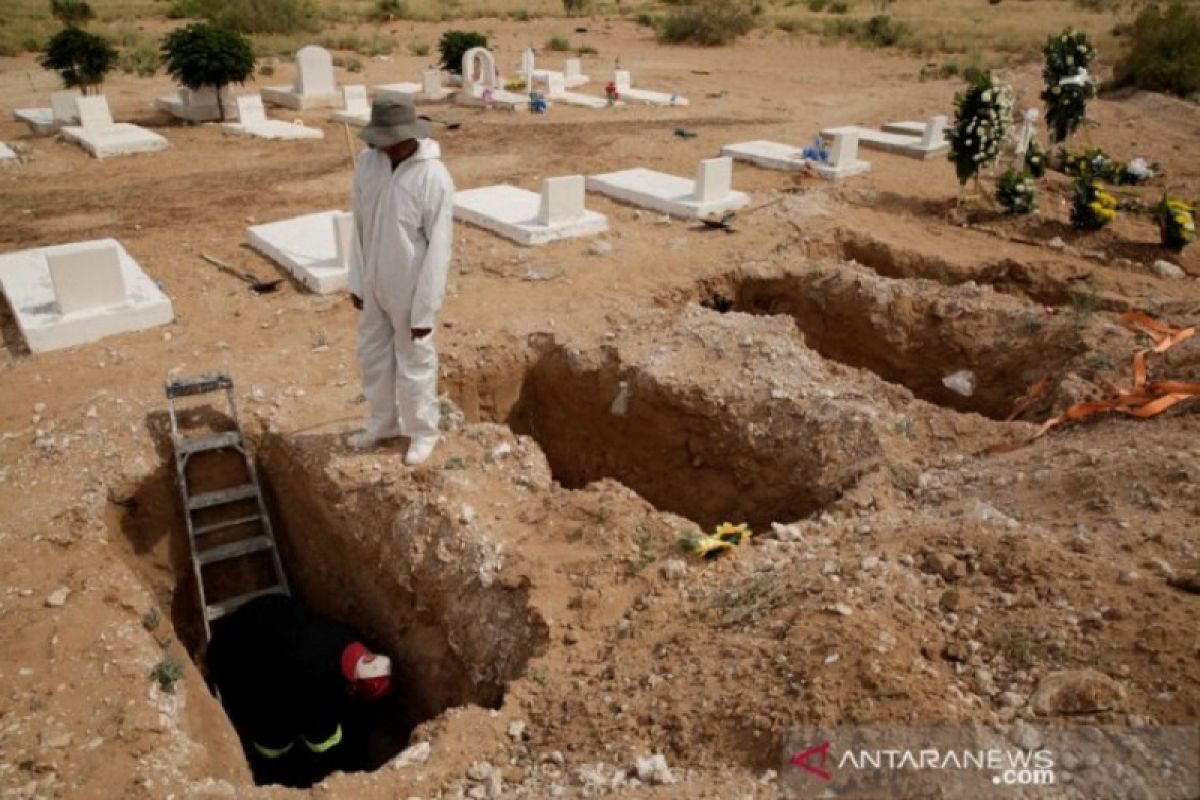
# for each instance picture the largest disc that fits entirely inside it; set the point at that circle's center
(530, 218)
(572, 74)
(843, 157)
(356, 108)
(554, 84)
(47, 121)
(710, 194)
(913, 139)
(72, 294)
(100, 136)
(314, 86)
(252, 121)
(429, 90)
(624, 81)
(196, 106)
(313, 248)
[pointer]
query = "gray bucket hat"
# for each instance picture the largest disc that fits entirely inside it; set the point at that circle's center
(393, 122)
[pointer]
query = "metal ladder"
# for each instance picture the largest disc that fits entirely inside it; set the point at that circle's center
(185, 448)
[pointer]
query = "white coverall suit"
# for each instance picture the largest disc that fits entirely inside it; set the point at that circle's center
(398, 263)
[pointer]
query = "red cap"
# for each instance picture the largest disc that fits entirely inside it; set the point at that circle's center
(370, 674)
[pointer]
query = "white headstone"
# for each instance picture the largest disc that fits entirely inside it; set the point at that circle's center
(481, 57)
(714, 180)
(623, 80)
(355, 99)
(431, 83)
(574, 69)
(314, 71)
(65, 107)
(93, 113)
(935, 132)
(562, 199)
(343, 230)
(528, 64)
(250, 109)
(844, 150)
(556, 84)
(87, 278)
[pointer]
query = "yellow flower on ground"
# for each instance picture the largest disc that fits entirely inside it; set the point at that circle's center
(736, 534)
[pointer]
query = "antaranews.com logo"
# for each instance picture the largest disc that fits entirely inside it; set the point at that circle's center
(991, 762)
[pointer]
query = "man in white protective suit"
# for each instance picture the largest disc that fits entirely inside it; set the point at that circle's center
(402, 198)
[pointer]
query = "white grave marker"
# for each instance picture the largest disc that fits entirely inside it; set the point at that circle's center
(573, 72)
(87, 278)
(704, 197)
(314, 71)
(714, 179)
(343, 232)
(934, 134)
(354, 99)
(562, 200)
(65, 107)
(94, 114)
(250, 110)
(531, 218)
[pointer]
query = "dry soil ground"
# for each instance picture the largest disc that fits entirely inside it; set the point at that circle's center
(531, 571)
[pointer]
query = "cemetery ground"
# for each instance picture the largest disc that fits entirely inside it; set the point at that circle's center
(549, 630)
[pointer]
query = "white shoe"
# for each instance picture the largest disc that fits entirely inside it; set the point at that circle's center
(419, 450)
(364, 440)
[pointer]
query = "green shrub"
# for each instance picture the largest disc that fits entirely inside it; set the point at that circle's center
(574, 6)
(252, 16)
(559, 44)
(418, 47)
(353, 65)
(203, 54)
(142, 59)
(645, 20)
(80, 58)
(388, 10)
(880, 31)
(266, 70)
(587, 50)
(838, 7)
(72, 13)
(708, 22)
(454, 44)
(816, 6)
(1162, 51)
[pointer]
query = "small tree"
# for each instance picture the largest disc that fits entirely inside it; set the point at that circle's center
(203, 54)
(82, 59)
(454, 44)
(72, 13)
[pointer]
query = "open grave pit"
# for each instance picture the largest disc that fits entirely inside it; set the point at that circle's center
(725, 418)
(919, 333)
